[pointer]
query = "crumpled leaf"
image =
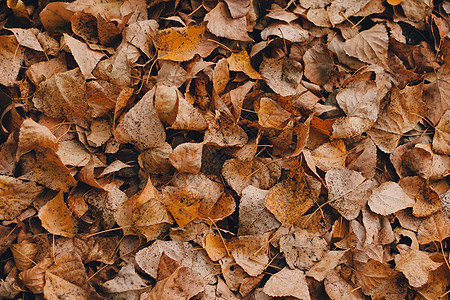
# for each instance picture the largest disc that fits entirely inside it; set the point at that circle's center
(318, 64)
(56, 217)
(126, 280)
(441, 139)
(330, 155)
(271, 114)
(33, 136)
(240, 62)
(291, 32)
(223, 132)
(222, 24)
(253, 215)
(287, 282)
(187, 157)
(141, 125)
(86, 58)
(348, 191)
(376, 278)
(324, 266)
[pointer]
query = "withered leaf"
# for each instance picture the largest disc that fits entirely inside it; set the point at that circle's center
(389, 198)
(282, 75)
(288, 282)
(11, 59)
(56, 217)
(250, 252)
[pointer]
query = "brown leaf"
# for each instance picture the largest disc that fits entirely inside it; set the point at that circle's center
(16, 195)
(126, 280)
(290, 198)
(271, 114)
(221, 76)
(48, 170)
(337, 288)
(11, 59)
(188, 117)
(86, 58)
(43, 70)
(441, 139)
(187, 157)
(253, 215)
(238, 8)
(166, 103)
(250, 252)
(240, 62)
(325, 265)
(318, 64)
(141, 126)
(437, 284)
(415, 265)
(378, 229)
(287, 282)
(222, 24)
(389, 198)
(291, 32)
(348, 191)
(56, 217)
(330, 155)
(215, 246)
(282, 75)
(340, 10)
(434, 228)
(223, 132)
(427, 200)
(64, 96)
(33, 278)
(24, 254)
(370, 46)
(302, 248)
(33, 136)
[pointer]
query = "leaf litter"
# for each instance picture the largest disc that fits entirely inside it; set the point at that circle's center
(224, 149)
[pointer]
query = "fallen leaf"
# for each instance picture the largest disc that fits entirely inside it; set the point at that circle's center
(427, 200)
(282, 75)
(24, 254)
(318, 64)
(341, 10)
(166, 103)
(56, 217)
(188, 117)
(43, 70)
(141, 126)
(330, 156)
(100, 133)
(441, 139)
(337, 288)
(378, 229)
(433, 229)
(33, 136)
(250, 252)
(221, 76)
(253, 215)
(223, 132)
(86, 58)
(240, 62)
(156, 160)
(238, 8)
(11, 59)
(222, 24)
(287, 282)
(415, 265)
(320, 270)
(215, 246)
(290, 198)
(271, 114)
(126, 280)
(187, 157)
(348, 191)
(302, 249)
(291, 32)
(370, 45)
(389, 198)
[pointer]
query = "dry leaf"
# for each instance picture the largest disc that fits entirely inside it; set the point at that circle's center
(253, 215)
(238, 8)
(11, 59)
(43, 70)
(260, 172)
(222, 24)
(389, 198)
(290, 198)
(86, 58)
(240, 62)
(33, 136)
(337, 288)
(250, 252)
(282, 75)
(187, 157)
(434, 228)
(330, 156)
(378, 229)
(340, 10)
(323, 267)
(221, 76)
(441, 139)
(302, 249)
(223, 132)
(215, 246)
(141, 126)
(166, 103)
(156, 160)
(56, 217)
(271, 114)
(287, 282)
(369, 46)
(318, 64)
(24, 254)
(348, 191)
(188, 117)
(126, 280)
(415, 265)
(100, 133)
(291, 32)
(48, 170)
(427, 200)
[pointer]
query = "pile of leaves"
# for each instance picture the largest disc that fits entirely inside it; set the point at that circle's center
(235, 149)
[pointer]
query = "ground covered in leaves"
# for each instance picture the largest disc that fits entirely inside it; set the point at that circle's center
(234, 149)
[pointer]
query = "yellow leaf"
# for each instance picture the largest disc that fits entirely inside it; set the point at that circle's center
(394, 2)
(240, 62)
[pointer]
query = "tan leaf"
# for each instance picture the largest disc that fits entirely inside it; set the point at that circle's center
(437, 284)
(318, 64)
(240, 62)
(253, 215)
(376, 277)
(48, 170)
(156, 160)
(16, 195)
(233, 274)
(33, 136)
(63, 96)
(389, 198)
(325, 265)
(290, 198)
(434, 228)
(427, 200)
(102, 96)
(260, 172)
(378, 229)
(348, 191)
(417, 11)
(187, 157)
(100, 133)
(291, 32)
(287, 282)
(181, 44)
(238, 8)
(221, 76)
(86, 58)
(369, 46)
(250, 252)
(337, 288)
(416, 266)
(340, 10)
(139, 34)
(141, 126)
(302, 248)
(224, 207)
(363, 158)
(56, 217)
(11, 59)
(222, 24)
(223, 132)
(166, 103)
(215, 246)
(271, 114)
(33, 278)
(43, 70)
(182, 284)
(126, 280)
(441, 139)
(188, 116)
(24, 254)
(276, 12)
(73, 153)
(330, 155)
(27, 38)
(319, 17)
(282, 75)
